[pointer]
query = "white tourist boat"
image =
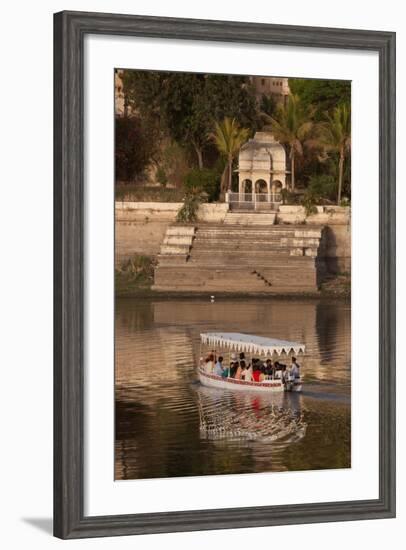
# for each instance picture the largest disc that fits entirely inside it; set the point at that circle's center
(229, 344)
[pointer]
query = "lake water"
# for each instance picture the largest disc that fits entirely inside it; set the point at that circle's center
(167, 424)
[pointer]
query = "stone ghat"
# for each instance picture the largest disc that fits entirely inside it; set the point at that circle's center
(229, 258)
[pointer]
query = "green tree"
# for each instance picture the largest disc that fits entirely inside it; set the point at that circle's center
(335, 136)
(293, 126)
(228, 137)
(231, 96)
(134, 148)
(268, 105)
(184, 104)
(324, 95)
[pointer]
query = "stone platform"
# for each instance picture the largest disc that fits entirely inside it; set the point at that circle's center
(240, 258)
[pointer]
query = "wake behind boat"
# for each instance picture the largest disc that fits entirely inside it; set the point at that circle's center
(236, 361)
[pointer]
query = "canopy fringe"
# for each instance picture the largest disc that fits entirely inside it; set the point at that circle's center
(251, 344)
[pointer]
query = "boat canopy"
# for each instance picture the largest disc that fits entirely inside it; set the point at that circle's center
(261, 345)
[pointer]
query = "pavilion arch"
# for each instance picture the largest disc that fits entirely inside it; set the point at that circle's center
(276, 186)
(261, 186)
(246, 186)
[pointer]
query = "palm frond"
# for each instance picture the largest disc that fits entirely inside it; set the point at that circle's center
(228, 136)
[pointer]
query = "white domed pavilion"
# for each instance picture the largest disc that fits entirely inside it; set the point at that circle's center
(261, 169)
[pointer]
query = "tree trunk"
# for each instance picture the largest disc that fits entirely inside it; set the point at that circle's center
(292, 168)
(340, 176)
(230, 172)
(223, 183)
(199, 154)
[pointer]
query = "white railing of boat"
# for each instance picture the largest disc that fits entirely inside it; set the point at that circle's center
(267, 381)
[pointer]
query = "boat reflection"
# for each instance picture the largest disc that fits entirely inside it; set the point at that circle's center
(231, 416)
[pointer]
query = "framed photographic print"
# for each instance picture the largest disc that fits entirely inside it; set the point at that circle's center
(224, 275)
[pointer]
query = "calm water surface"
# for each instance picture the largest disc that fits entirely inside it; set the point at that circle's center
(167, 424)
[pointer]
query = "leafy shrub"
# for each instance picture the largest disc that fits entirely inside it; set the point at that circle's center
(173, 161)
(133, 192)
(203, 181)
(323, 186)
(290, 197)
(137, 271)
(161, 176)
(309, 201)
(191, 203)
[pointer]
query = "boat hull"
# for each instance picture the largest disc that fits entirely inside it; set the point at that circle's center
(268, 386)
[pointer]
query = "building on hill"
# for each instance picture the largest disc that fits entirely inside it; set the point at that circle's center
(121, 106)
(119, 97)
(271, 86)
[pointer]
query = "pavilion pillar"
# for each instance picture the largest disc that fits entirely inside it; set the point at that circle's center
(268, 186)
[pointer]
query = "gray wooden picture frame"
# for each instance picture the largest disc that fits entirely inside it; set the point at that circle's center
(70, 29)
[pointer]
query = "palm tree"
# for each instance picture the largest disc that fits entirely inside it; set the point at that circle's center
(228, 137)
(292, 125)
(335, 135)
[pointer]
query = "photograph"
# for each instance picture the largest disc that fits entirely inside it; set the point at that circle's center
(208, 210)
(232, 274)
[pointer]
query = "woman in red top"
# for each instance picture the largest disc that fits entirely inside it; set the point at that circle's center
(256, 374)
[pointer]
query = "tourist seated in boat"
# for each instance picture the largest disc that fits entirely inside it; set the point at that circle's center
(294, 369)
(263, 375)
(255, 363)
(226, 371)
(243, 369)
(256, 372)
(247, 373)
(218, 368)
(269, 369)
(279, 369)
(240, 369)
(233, 365)
(207, 367)
(209, 364)
(233, 368)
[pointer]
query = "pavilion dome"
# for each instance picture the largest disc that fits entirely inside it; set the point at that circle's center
(262, 152)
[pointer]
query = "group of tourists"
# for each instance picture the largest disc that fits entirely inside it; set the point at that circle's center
(255, 370)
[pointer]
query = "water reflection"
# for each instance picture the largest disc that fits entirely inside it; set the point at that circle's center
(249, 416)
(167, 424)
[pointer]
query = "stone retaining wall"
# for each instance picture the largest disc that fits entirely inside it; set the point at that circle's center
(141, 227)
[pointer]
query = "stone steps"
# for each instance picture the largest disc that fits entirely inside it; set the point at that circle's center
(234, 280)
(174, 249)
(181, 230)
(254, 218)
(249, 244)
(172, 259)
(176, 240)
(269, 232)
(245, 257)
(177, 243)
(231, 258)
(241, 239)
